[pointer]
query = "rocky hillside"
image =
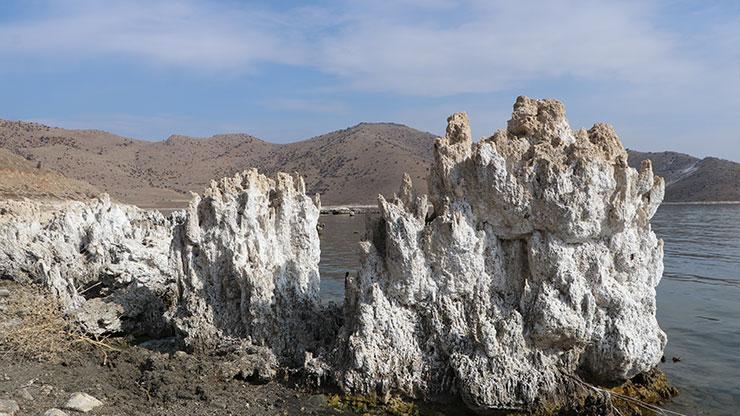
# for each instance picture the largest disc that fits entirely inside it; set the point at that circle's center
(690, 179)
(350, 166)
(20, 178)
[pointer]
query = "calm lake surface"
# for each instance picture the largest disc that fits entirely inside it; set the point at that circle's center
(698, 298)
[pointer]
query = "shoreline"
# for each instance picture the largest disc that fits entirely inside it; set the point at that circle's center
(348, 209)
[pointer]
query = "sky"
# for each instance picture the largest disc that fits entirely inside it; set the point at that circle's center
(665, 73)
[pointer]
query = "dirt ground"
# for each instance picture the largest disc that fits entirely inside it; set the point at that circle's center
(43, 362)
(137, 381)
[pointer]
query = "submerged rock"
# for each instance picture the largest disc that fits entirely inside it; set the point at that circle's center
(533, 261)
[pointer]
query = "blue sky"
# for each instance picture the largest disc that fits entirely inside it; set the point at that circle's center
(666, 73)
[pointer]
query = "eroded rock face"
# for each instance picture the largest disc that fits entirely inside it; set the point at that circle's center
(534, 260)
(248, 253)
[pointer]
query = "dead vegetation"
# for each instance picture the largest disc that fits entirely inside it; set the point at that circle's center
(33, 326)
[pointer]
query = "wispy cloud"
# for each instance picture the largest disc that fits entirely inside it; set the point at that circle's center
(483, 46)
(181, 33)
(498, 45)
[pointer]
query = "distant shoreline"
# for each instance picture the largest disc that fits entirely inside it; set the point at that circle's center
(348, 209)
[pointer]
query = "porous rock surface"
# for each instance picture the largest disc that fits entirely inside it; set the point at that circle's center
(532, 260)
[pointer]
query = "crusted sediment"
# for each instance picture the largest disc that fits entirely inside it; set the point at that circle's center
(239, 266)
(533, 260)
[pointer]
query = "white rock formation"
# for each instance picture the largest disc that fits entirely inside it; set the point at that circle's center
(248, 253)
(537, 262)
(107, 262)
(240, 264)
(532, 260)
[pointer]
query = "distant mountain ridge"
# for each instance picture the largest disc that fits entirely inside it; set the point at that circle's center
(346, 166)
(349, 166)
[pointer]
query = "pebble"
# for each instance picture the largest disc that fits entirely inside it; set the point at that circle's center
(46, 390)
(25, 394)
(4, 293)
(82, 402)
(9, 406)
(54, 412)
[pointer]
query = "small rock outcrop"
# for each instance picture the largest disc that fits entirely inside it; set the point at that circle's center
(532, 260)
(240, 264)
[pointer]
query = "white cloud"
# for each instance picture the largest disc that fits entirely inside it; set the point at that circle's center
(499, 45)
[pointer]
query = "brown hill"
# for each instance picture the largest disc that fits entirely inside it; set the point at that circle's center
(349, 166)
(20, 178)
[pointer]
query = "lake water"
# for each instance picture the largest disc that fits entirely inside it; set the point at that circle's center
(698, 298)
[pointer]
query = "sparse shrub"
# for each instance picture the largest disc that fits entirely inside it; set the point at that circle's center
(34, 327)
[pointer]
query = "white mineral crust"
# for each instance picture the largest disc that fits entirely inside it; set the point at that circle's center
(104, 261)
(535, 260)
(249, 257)
(531, 261)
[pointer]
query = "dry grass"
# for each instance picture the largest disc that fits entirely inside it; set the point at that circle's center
(34, 327)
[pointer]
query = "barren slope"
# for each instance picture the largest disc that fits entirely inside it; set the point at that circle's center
(20, 178)
(354, 165)
(350, 166)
